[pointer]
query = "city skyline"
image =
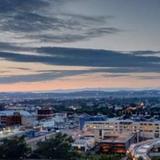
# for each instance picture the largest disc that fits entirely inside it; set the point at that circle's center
(56, 44)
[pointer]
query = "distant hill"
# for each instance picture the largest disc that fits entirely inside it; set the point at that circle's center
(80, 94)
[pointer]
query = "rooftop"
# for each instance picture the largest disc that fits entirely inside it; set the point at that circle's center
(12, 112)
(118, 138)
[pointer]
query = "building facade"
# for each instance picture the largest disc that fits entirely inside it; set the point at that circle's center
(144, 129)
(13, 118)
(44, 113)
(88, 118)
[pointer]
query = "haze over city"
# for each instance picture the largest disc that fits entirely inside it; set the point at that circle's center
(74, 44)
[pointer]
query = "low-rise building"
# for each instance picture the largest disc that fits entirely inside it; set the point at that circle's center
(117, 143)
(143, 129)
(84, 143)
(87, 118)
(13, 117)
(44, 113)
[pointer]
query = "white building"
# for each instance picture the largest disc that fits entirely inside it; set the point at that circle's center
(84, 143)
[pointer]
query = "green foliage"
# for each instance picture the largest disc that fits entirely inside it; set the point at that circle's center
(14, 149)
(140, 158)
(156, 158)
(102, 157)
(57, 147)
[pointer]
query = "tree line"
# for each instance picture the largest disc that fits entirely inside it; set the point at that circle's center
(56, 148)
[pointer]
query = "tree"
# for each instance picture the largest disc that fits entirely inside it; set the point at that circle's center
(15, 148)
(57, 147)
(104, 157)
(140, 158)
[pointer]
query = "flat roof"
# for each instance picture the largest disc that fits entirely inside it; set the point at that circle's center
(121, 138)
(11, 112)
(117, 120)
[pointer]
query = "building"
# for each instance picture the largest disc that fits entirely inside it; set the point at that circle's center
(44, 113)
(12, 117)
(143, 129)
(87, 118)
(10, 132)
(29, 119)
(47, 124)
(117, 143)
(84, 143)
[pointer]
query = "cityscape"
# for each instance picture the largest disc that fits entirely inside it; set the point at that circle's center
(79, 79)
(121, 126)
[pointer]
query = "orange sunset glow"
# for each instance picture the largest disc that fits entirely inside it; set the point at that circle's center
(81, 82)
(62, 45)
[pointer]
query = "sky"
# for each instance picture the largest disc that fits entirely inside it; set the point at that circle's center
(48, 45)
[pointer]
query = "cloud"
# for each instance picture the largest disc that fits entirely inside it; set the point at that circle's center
(148, 77)
(43, 75)
(105, 63)
(114, 61)
(35, 22)
(7, 46)
(28, 25)
(147, 53)
(20, 68)
(22, 5)
(31, 77)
